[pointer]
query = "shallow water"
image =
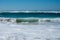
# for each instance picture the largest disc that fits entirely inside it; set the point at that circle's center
(44, 31)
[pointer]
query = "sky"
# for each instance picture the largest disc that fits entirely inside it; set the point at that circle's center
(29, 4)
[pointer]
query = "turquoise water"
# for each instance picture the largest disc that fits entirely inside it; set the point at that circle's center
(27, 15)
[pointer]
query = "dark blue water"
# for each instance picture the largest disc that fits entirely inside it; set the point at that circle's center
(26, 15)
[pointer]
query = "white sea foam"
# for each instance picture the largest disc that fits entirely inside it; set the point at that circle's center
(45, 31)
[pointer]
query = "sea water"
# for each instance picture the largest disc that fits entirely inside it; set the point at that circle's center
(27, 15)
(43, 31)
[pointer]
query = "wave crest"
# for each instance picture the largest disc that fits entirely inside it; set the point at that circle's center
(29, 20)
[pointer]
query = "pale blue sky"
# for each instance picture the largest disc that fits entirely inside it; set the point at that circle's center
(29, 4)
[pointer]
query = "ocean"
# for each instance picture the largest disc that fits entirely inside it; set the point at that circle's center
(47, 26)
(29, 15)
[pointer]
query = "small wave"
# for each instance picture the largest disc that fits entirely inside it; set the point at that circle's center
(30, 11)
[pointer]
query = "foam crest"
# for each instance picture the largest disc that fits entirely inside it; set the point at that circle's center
(29, 20)
(31, 11)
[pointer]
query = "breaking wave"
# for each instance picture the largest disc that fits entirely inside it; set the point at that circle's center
(29, 20)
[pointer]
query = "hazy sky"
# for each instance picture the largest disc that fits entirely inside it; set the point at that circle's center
(29, 4)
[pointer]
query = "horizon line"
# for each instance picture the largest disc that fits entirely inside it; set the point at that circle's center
(29, 10)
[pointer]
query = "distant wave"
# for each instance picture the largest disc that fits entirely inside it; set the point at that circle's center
(27, 15)
(31, 11)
